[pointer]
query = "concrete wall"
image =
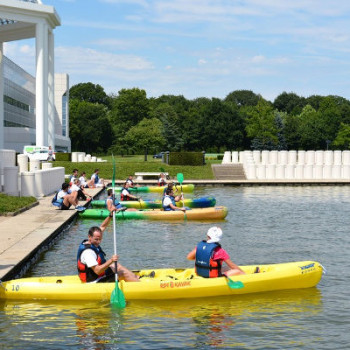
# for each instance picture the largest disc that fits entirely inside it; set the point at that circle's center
(303, 165)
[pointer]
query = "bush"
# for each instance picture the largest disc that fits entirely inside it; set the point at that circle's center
(186, 158)
(63, 157)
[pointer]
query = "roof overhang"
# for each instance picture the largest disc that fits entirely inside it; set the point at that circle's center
(23, 17)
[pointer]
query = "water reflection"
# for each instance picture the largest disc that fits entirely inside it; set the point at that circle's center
(209, 322)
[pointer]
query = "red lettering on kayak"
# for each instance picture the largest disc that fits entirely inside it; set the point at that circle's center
(178, 284)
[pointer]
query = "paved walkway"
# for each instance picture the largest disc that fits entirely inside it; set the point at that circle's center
(22, 236)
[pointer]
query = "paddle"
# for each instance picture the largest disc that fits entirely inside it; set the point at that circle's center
(117, 296)
(234, 284)
(180, 179)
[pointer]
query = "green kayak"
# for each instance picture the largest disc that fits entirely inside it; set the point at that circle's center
(203, 202)
(159, 189)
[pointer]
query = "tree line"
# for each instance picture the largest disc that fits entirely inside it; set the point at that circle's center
(130, 123)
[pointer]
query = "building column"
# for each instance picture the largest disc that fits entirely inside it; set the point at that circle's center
(2, 134)
(41, 84)
(51, 91)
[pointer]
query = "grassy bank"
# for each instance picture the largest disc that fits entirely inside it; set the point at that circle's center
(128, 165)
(9, 204)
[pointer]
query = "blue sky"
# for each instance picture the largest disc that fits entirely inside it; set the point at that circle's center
(202, 48)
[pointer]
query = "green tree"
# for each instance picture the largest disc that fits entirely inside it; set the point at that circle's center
(243, 98)
(292, 131)
(261, 125)
(310, 129)
(89, 92)
(290, 103)
(89, 127)
(145, 135)
(342, 140)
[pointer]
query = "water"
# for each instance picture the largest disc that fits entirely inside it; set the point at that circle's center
(264, 225)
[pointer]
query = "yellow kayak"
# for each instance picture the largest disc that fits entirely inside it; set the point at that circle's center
(168, 284)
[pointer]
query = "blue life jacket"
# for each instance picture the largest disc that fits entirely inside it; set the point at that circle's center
(167, 207)
(205, 265)
(87, 274)
(97, 179)
(57, 202)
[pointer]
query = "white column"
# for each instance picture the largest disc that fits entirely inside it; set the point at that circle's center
(51, 91)
(41, 84)
(2, 135)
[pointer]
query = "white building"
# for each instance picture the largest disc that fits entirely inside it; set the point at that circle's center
(32, 110)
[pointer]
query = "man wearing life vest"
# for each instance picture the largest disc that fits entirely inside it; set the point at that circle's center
(125, 194)
(92, 264)
(209, 256)
(169, 201)
(95, 179)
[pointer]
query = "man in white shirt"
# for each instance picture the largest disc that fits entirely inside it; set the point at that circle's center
(91, 262)
(66, 198)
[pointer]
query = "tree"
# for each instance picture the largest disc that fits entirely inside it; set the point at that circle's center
(243, 98)
(261, 125)
(89, 92)
(290, 103)
(310, 129)
(145, 135)
(89, 127)
(342, 140)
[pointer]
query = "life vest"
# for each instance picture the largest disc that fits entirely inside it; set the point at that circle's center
(167, 207)
(124, 197)
(97, 179)
(130, 182)
(161, 182)
(87, 274)
(205, 266)
(56, 202)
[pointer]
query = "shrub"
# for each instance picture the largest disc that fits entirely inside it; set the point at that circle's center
(186, 158)
(64, 157)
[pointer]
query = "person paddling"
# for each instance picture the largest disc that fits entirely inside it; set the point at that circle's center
(169, 201)
(125, 194)
(209, 257)
(92, 264)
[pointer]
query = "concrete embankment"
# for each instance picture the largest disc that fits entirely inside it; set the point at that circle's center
(25, 236)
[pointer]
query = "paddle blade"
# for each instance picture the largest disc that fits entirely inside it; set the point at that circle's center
(180, 178)
(118, 298)
(234, 284)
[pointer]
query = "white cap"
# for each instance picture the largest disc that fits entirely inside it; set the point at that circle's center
(215, 234)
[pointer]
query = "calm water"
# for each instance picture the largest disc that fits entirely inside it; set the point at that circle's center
(264, 225)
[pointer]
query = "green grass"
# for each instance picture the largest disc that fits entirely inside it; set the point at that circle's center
(128, 165)
(9, 204)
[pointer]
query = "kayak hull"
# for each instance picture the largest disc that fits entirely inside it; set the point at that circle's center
(157, 189)
(202, 202)
(212, 213)
(167, 284)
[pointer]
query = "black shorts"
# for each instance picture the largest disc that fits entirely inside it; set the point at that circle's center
(64, 207)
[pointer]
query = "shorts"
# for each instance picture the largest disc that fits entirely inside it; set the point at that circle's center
(64, 207)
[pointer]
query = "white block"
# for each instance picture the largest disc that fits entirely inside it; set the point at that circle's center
(283, 157)
(23, 162)
(308, 171)
(301, 157)
(336, 171)
(292, 157)
(11, 181)
(280, 171)
(328, 157)
(289, 172)
(346, 157)
(28, 187)
(318, 172)
(299, 171)
(319, 157)
(251, 172)
(337, 158)
(75, 156)
(93, 159)
(235, 157)
(34, 165)
(310, 157)
(46, 166)
(265, 157)
(256, 157)
(273, 157)
(327, 172)
(346, 172)
(271, 171)
(261, 171)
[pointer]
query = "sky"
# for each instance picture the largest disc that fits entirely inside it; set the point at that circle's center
(201, 48)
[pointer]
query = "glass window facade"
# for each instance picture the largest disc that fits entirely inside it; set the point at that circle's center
(19, 96)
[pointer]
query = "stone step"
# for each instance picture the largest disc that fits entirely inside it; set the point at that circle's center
(229, 171)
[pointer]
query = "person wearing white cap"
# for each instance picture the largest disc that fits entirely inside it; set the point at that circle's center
(209, 256)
